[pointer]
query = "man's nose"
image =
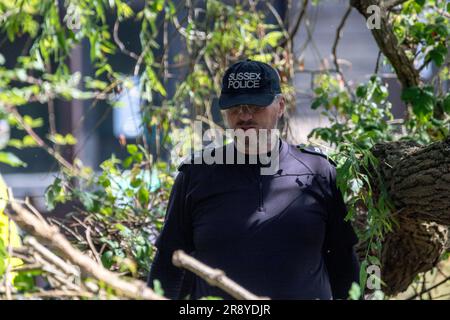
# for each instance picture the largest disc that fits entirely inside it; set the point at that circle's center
(245, 116)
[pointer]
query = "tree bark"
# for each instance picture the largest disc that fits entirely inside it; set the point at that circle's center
(413, 247)
(417, 180)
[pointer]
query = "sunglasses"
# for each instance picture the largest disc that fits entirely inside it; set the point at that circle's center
(245, 108)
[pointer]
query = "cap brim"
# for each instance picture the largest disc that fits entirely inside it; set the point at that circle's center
(227, 101)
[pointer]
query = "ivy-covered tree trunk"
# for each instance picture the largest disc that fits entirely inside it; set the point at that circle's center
(417, 180)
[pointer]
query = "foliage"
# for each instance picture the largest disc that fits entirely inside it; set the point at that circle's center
(361, 118)
(121, 204)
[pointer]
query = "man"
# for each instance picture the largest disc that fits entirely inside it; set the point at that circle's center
(280, 235)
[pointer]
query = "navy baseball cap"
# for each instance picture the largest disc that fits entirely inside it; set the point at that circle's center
(249, 82)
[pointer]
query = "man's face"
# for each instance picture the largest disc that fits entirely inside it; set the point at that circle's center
(253, 118)
(248, 116)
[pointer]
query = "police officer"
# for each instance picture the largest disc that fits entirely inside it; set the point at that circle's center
(280, 235)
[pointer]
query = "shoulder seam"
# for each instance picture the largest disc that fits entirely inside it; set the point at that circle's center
(315, 151)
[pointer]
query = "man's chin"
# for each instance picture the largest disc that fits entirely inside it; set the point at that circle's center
(247, 129)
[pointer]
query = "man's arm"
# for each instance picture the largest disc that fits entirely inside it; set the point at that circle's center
(170, 277)
(176, 234)
(340, 257)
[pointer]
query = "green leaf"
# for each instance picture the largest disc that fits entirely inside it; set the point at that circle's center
(136, 183)
(446, 103)
(374, 260)
(441, 29)
(128, 161)
(143, 195)
(355, 291)
(409, 94)
(15, 143)
(361, 91)
(157, 287)
(2, 59)
(21, 74)
(95, 84)
(157, 5)
(28, 141)
(322, 100)
(87, 199)
(123, 230)
(132, 148)
(52, 194)
(11, 159)
(438, 54)
(107, 259)
(422, 100)
(59, 139)
(70, 139)
(33, 123)
(272, 38)
(3, 256)
(355, 118)
(363, 274)
(24, 281)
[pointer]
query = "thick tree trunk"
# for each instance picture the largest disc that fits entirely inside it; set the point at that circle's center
(417, 179)
(418, 182)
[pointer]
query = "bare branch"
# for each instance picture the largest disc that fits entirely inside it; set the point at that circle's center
(279, 20)
(335, 45)
(389, 4)
(444, 13)
(338, 37)
(377, 66)
(429, 289)
(120, 43)
(50, 256)
(91, 245)
(60, 159)
(214, 277)
(50, 235)
(294, 30)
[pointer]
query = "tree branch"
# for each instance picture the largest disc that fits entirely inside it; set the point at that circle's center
(389, 4)
(51, 236)
(214, 277)
(429, 289)
(294, 30)
(335, 45)
(60, 159)
(120, 43)
(338, 37)
(388, 44)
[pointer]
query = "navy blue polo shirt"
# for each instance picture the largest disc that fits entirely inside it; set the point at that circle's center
(281, 236)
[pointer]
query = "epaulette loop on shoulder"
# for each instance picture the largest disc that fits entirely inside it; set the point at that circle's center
(190, 159)
(315, 150)
(186, 160)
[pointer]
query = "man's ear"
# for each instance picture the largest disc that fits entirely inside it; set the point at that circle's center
(281, 108)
